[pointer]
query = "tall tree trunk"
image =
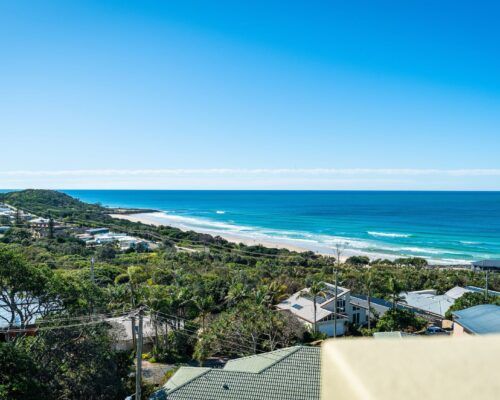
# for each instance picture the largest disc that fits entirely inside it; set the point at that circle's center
(369, 308)
(314, 324)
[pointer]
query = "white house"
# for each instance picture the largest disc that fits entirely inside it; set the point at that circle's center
(430, 302)
(123, 241)
(39, 222)
(122, 334)
(301, 305)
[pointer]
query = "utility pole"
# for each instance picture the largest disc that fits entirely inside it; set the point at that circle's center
(335, 305)
(134, 339)
(138, 367)
(487, 281)
(92, 276)
(369, 306)
(339, 251)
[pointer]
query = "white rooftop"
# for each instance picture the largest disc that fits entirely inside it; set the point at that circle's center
(302, 305)
(429, 301)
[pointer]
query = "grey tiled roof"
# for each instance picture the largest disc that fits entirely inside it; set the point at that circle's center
(293, 374)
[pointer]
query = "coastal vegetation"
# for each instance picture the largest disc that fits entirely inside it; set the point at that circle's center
(224, 294)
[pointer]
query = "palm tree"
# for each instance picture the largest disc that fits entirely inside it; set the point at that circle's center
(277, 292)
(269, 295)
(368, 286)
(394, 289)
(204, 304)
(316, 289)
(236, 293)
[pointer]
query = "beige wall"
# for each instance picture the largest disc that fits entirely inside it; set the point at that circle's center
(458, 330)
(412, 369)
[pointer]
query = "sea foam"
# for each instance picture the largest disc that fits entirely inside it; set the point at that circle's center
(389, 234)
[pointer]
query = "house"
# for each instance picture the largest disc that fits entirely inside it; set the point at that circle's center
(378, 307)
(121, 332)
(104, 238)
(477, 320)
(429, 302)
(486, 265)
(130, 242)
(39, 222)
(4, 229)
(476, 289)
(100, 236)
(301, 305)
(85, 237)
(97, 231)
(292, 373)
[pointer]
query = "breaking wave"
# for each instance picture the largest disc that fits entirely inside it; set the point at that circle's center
(389, 234)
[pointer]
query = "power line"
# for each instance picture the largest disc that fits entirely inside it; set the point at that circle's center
(47, 320)
(36, 329)
(249, 347)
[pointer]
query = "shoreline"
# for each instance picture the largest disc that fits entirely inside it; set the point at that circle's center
(148, 218)
(160, 218)
(157, 218)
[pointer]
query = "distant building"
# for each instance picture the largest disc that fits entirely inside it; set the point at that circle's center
(4, 229)
(100, 236)
(477, 320)
(85, 237)
(105, 238)
(130, 242)
(97, 231)
(39, 222)
(287, 374)
(486, 265)
(301, 305)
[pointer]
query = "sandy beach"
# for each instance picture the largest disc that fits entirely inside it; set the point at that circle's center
(158, 219)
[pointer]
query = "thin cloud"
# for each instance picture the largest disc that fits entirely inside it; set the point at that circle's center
(257, 171)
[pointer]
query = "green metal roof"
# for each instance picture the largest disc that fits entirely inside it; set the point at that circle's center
(286, 374)
(259, 362)
(390, 335)
(184, 375)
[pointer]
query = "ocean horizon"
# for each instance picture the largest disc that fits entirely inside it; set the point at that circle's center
(443, 227)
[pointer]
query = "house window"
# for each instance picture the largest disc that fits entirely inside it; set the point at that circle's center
(341, 305)
(355, 318)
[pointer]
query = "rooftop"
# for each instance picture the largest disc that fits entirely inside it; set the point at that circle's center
(302, 305)
(482, 290)
(482, 319)
(429, 301)
(391, 335)
(489, 264)
(379, 306)
(286, 374)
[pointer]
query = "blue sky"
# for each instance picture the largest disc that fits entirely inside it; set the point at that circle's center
(260, 94)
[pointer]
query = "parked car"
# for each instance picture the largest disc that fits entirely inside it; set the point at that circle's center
(435, 330)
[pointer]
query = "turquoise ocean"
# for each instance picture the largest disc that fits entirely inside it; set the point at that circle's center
(444, 227)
